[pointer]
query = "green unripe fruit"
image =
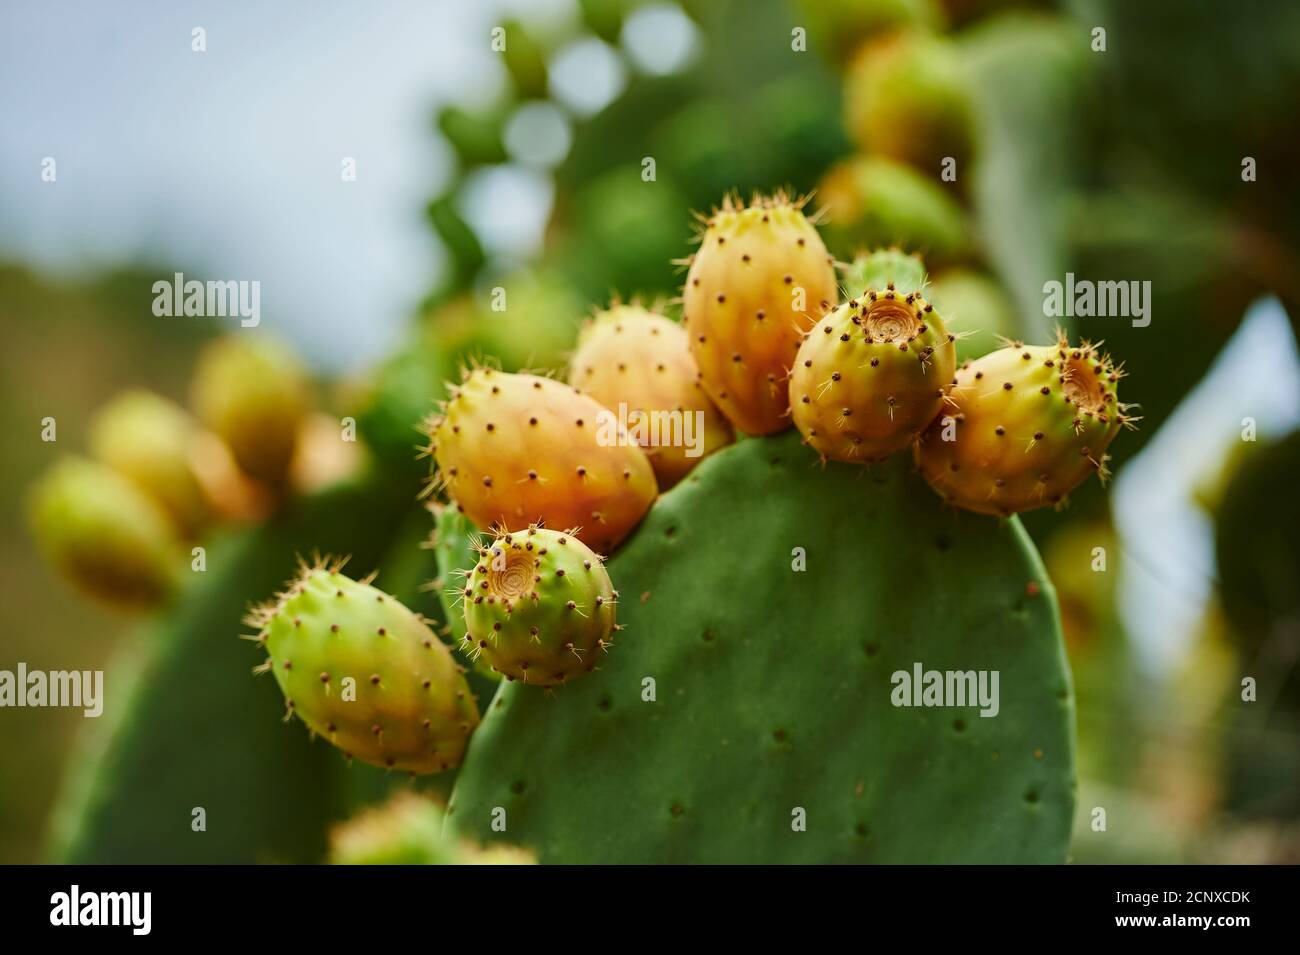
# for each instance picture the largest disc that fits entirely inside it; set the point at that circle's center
(106, 535)
(885, 268)
(366, 673)
(539, 606)
(976, 308)
(152, 441)
(254, 394)
(872, 201)
(407, 830)
(906, 98)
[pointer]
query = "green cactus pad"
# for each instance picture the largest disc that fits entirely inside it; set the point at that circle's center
(772, 686)
(186, 725)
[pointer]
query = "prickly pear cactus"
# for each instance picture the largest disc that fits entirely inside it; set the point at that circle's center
(266, 793)
(746, 714)
(152, 441)
(254, 394)
(107, 536)
(907, 98)
(758, 281)
(539, 606)
(515, 450)
(630, 356)
(871, 375)
(1029, 424)
(410, 708)
(873, 201)
(883, 268)
(407, 830)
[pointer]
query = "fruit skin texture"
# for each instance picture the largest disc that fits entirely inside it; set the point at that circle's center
(630, 355)
(872, 375)
(412, 708)
(874, 201)
(1031, 423)
(539, 605)
(876, 270)
(906, 98)
(254, 394)
(106, 535)
(515, 450)
(739, 305)
(151, 441)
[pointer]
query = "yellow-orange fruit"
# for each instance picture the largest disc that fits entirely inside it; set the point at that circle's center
(1030, 424)
(639, 365)
(871, 375)
(515, 450)
(759, 280)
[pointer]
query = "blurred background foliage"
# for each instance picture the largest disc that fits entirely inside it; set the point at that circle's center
(1123, 164)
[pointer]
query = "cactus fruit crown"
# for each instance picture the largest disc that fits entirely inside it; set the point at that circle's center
(538, 605)
(876, 370)
(1031, 423)
(759, 280)
(519, 449)
(363, 671)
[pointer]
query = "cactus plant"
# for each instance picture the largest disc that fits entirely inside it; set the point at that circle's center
(746, 696)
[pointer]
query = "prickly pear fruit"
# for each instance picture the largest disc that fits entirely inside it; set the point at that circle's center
(152, 442)
(759, 280)
(872, 375)
(976, 309)
(407, 830)
(1029, 424)
(105, 534)
(872, 201)
(366, 673)
(879, 269)
(254, 394)
(906, 98)
(515, 450)
(539, 605)
(840, 26)
(629, 357)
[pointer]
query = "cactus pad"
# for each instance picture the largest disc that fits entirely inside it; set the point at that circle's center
(747, 693)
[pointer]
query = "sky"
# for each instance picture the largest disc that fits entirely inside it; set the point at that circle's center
(228, 163)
